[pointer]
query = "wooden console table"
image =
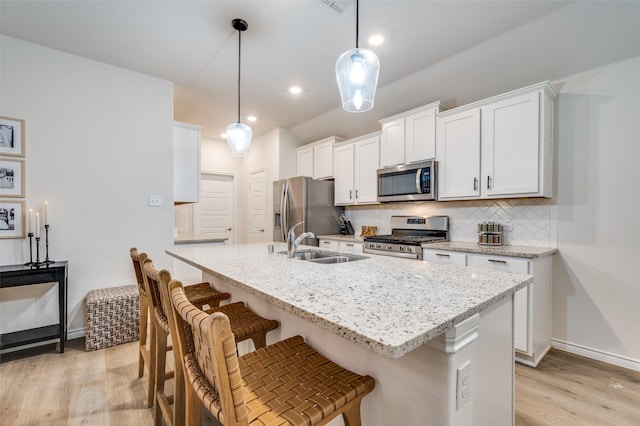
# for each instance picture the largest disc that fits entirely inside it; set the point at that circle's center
(20, 275)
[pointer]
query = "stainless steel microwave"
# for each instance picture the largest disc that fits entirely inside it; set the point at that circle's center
(409, 182)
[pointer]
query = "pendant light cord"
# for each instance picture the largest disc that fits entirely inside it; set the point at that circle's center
(357, 23)
(239, 56)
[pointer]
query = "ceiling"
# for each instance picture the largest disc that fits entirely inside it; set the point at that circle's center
(457, 51)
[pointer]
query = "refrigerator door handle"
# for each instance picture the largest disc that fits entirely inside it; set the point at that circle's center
(283, 211)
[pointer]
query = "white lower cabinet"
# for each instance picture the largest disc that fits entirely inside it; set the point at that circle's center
(532, 304)
(341, 246)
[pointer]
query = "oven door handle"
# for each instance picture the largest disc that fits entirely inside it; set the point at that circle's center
(418, 181)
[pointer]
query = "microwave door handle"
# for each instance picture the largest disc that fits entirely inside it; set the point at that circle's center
(418, 181)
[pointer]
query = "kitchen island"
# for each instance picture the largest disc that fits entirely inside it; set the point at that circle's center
(411, 325)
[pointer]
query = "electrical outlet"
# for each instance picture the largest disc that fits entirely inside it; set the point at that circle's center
(507, 227)
(155, 201)
(463, 385)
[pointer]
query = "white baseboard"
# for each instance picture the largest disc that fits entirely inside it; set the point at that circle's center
(598, 355)
(75, 334)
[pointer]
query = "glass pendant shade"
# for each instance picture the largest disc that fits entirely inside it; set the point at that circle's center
(357, 74)
(239, 139)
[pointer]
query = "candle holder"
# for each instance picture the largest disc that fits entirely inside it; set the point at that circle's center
(46, 245)
(37, 262)
(30, 262)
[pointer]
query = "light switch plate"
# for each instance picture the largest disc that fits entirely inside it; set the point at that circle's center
(155, 200)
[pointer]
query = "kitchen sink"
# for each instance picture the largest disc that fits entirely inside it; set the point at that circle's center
(325, 257)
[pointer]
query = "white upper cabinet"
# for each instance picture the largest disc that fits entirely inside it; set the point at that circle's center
(459, 154)
(316, 159)
(410, 137)
(305, 161)
(501, 147)
(356, 165)
(186, 162)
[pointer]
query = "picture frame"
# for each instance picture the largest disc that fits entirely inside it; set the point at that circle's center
(11, 177)
(12, 224)
(12, 140)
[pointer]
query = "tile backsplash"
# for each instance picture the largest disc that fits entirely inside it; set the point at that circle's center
(529, 221)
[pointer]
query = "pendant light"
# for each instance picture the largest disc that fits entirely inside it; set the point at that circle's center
(238, 134)
(357, 74)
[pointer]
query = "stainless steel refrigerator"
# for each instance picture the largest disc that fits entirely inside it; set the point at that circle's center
(304, 199)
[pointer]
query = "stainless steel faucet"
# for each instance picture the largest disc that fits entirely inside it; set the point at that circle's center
(293, 242)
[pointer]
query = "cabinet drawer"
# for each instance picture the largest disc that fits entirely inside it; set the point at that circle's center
(329, 245)
(354, 248)
(500, 263)
(446, 257)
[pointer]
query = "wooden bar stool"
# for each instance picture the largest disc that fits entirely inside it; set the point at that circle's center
(143, 352)
(201, 294)
(284, 383)
(245, 324)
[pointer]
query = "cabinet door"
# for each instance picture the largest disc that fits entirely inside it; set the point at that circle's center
(186, 163)
(522, 318)
(305, 161)
(367, 161)
(445, 257)
(392, 143)
(344, 175)
(458, 141)
(511, 146)
(420, 138)
(323, 161)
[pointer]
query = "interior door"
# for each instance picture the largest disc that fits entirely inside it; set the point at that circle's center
(257, 207)
(215, 213)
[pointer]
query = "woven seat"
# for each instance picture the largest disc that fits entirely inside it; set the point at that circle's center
(288, 383)
(202, 294)
(245, 323)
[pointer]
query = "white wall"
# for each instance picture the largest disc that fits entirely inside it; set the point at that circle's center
(596, 282)
(98, 142)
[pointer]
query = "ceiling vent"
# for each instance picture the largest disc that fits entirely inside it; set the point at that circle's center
(338, 5)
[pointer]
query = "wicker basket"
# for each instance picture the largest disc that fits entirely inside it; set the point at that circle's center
(112, 317)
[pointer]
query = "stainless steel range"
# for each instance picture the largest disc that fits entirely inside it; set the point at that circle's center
(408, 233)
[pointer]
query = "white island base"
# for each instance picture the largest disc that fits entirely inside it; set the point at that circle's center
(421, 387)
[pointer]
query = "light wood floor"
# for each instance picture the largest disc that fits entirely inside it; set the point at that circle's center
(42, 387)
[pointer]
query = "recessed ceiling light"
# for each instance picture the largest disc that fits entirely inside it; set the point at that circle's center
(251, 117)
(376, 39)
(295, 90)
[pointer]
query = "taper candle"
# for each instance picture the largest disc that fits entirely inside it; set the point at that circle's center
(46, 212)
(37, 225)
(31, 223)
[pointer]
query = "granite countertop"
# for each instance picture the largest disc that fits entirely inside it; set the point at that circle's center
(527, 252)
(342, 237)
(388, 305)
(189, 238)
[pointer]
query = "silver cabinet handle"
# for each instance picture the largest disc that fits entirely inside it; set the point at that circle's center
(229, 229)
(488, 182)
(356, 193)
(348, 244)
(497, 261)
(326, 242)
(475, 184)
(443, 255)
(259, 230)
(350, 194)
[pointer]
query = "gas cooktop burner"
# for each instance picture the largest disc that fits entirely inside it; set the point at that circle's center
(407, 235)
(404, 239)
